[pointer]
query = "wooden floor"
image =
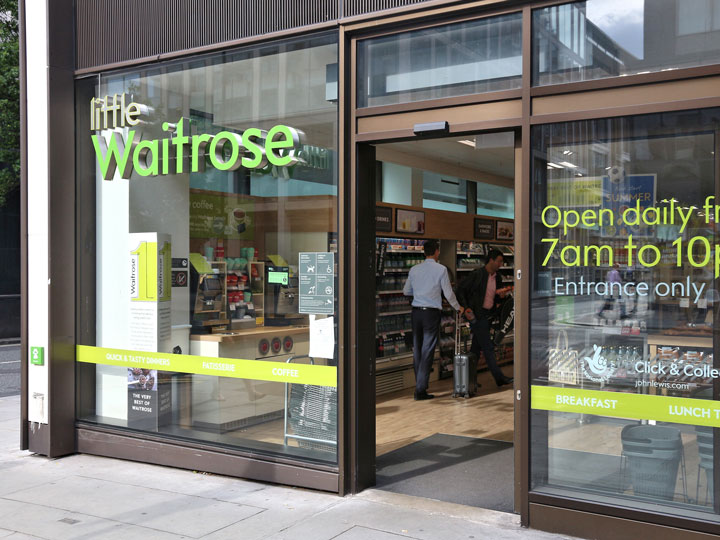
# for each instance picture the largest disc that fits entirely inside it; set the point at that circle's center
(402, 421)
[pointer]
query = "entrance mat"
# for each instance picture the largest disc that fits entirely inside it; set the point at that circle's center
(463, 470)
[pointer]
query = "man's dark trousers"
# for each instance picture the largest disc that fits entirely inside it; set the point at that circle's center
(425, 327)
(480, 328)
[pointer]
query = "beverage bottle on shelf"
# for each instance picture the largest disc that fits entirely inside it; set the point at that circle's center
(389, 346)
(636, 357)
(621, 362)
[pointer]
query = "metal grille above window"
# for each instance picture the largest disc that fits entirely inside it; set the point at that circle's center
(110, 31)
(359, 7)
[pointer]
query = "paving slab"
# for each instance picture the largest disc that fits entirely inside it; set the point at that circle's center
(364, 533)
(493, 518)
(144, 506)
(37, 521)
(11, 424)
(191, 483)
(403, 521)
(17, 478)
(10, 408)
(7, 415)
(285, 507)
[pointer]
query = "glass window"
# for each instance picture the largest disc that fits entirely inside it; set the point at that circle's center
(451, 60)
(444, 192)
(625, 381)
(397, 183)
(596, 39)
(210, 218)
(496, 201)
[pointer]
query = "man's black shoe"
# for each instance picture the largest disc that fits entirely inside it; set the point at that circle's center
(503, 382)
(422, 396)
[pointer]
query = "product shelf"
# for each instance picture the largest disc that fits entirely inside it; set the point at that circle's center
(385, 332)
(388, 313)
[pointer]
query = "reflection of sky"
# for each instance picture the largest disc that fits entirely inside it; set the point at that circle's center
(622, 20)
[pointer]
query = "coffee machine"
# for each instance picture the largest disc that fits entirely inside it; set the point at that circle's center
(281, 296)
(208, 298)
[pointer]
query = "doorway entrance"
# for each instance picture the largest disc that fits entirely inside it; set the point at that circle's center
(459, 190)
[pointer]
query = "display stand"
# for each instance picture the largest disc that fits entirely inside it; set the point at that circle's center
(310, 414)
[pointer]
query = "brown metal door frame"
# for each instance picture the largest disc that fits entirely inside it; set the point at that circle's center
(362, 194)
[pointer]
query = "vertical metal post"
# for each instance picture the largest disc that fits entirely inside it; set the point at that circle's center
(57, 436)
(523, 282)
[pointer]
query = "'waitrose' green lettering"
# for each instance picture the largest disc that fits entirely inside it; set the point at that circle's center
(180, 152)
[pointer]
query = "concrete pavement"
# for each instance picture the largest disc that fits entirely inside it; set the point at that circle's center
(87, 497)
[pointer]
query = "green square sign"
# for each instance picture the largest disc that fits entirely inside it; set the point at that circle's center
(37, 356)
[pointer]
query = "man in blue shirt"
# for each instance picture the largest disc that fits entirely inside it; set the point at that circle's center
(426, 283)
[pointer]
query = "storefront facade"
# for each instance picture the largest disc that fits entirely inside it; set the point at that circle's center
(197, 199)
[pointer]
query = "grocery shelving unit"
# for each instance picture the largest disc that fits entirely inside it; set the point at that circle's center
(393, 312)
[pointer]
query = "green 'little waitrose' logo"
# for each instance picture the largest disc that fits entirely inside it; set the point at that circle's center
(181, 152)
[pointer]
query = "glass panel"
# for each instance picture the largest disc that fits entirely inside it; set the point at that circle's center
(444, 192)
(451, 60)
(212, 248)
(623, 37)
(624, 377)
(397, 183)
(496, 201)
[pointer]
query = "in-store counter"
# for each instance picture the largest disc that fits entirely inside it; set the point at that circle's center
(249, 330)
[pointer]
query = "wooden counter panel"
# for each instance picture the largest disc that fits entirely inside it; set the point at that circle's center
(259, 332)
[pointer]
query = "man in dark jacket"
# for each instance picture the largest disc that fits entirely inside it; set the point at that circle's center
(478, 292)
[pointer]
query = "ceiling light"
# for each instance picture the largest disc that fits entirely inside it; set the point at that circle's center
(555, 165)
(468, 143)
(568, 165)
(567, 153)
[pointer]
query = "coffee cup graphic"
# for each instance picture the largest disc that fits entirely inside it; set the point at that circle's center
(239, 215)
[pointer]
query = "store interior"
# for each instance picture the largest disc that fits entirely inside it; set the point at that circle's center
(459, 190)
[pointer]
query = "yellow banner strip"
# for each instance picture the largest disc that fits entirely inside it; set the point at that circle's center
(696, 412)
(257, 370)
